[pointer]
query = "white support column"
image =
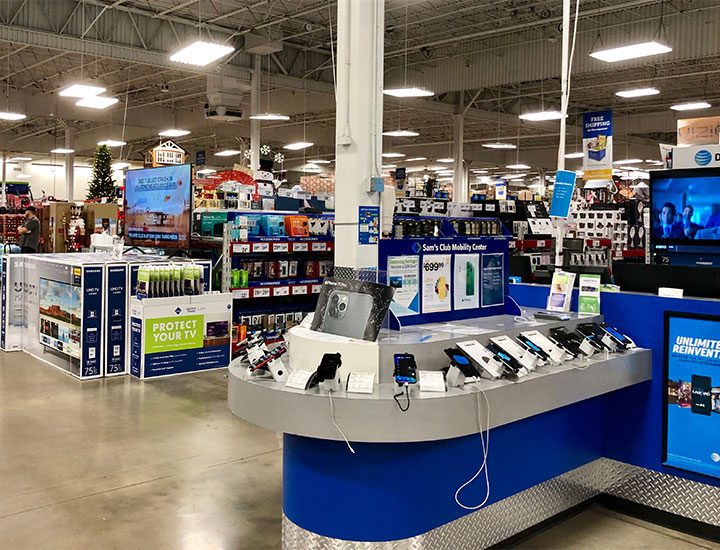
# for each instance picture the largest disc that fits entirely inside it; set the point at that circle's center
(4, 179)
(255, 109)
(460, 182)
(358, 127)
(69, 164)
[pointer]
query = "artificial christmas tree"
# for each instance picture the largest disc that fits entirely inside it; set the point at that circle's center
(102, 184)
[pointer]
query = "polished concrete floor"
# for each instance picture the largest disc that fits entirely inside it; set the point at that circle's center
(121, 464)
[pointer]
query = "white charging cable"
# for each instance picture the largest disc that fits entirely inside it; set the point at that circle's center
(485, 444)
(332, 417)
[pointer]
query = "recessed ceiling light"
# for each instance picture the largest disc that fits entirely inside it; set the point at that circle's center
(518, 167)
(393, 155)
(694, 106)
(20, 159)
(415, 159)
(632, 51)
(227, 153)
(81, 91)
(412, 91)
(320, 161)
(576, 155)
(499, 145)
(97, 102)
(112, 143)
(11, 116)
(120, 165)
(401, 133)
(201, 53)
(538, 116)
(269, 116)
(446, 160)
(174, 133)
(61, 151)
(628, 161)
(298, 145)
(638, 92)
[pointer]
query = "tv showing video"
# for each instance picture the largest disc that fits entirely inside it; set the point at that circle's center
(157, 206)
(685, 207)
(60, 317)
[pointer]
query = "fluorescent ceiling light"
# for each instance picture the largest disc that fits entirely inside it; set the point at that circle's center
(22, 176)
(320, 161)
(61, 151)
(414, 159)
(655, 162)
(174, 133)
(628, 161)
(499, 145)
(694, 106)
(112, 143)
(388, 166)
(518, 167)
(11, 116)
(446, 160)
(20, 159)
(401, 133)
(120, 165)
(82, 91)
(201, 53)
(479, 171)
(227, 153)
(541, 115)
(632, 51)
(97, 102)
(577, 155)
(393, 155)
(269, 116)
(444, 179)
(298, 145)
(408, 92)
(206, 171)
(638, 92)
(517, 180)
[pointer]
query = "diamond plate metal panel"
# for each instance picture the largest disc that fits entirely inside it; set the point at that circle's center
(367, 275)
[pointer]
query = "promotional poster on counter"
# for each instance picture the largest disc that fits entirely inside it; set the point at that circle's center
(436, 282)
(351, 308)
(493, 277)
(403, 274)
(692, 399)
(467, 278)
(561, 291)
(589, 295)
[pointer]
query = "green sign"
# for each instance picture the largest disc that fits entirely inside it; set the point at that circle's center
(174, 333)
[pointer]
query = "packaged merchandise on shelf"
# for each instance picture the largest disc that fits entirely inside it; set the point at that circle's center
(297, 226)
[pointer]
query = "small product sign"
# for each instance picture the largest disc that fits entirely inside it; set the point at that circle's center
(174, 333)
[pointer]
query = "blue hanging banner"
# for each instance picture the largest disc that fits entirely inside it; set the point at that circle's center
(562, 193)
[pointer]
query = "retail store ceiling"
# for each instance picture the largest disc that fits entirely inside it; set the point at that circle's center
(496, 58)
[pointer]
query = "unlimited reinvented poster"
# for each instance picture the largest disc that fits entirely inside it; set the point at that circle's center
(692, 392)
(157, 206)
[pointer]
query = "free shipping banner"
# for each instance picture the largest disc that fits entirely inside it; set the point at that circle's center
(597, 145)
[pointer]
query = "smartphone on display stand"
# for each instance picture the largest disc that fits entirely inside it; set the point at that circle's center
(458, 359)
(537, 350)
(622, 340)
(405, 369)
(483, 359)
(562, 338)
(506, 359)
(525, 358)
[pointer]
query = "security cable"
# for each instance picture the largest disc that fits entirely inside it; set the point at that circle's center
(407, 396)
(332, 417)
(485, 445)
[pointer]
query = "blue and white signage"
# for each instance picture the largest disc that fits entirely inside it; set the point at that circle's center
(562, 193)
(597, 145)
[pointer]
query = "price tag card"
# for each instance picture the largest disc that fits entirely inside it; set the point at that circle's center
(281, 291)
(541, 244)
(261, 247)
(596, 244)
(280, 247)
(241, 248)
(261, 293)
(241, 293)
(319, 247)
(361, 382)
(431, 380)
(299, 379)
(315, 289)
(299, 289)
(300, 247)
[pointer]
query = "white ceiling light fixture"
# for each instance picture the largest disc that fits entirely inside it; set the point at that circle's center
(173, 132)
(692, 106)
(120, 165)
(206, 171)
(393, 155)
(201, 53)
(22, 176)
(655, 162)
(227, 153)
(638, 92)
(21, 159)
(538, 116)
(415, 159)
(408, 91)
(518, 167)
(479, 171)
(298, 145)
(499, 145)
(81, 91)
(97, 102)
(576, 155)
(628, 161)
(269, 116)
(401, 133)
(320, 161)
(112, 143)
(631, 51)
(6, 115)
(62, 151)
(388, 166)
(446, 160)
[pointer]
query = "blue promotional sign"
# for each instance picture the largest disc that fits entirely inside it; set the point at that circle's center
(692, 392)
(597, 145)
(200, 158)
(562, 193)
(368, 224)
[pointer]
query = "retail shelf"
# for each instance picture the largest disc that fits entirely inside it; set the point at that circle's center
(628, 254)
(256, 245)
(598, 243)
(284, 287)
(531, 243)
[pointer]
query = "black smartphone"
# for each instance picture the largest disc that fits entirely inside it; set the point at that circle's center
(506, 359)
(587, 330)
(622, 340)
(405, 368)
(458, 359)
(562, 338)
(700, 394)
(329, 364)
(527, 344)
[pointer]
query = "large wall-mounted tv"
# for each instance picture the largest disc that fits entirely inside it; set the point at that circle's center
(685, 209)
(157, 206)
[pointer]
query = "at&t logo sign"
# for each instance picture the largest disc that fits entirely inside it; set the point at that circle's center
(703, 157)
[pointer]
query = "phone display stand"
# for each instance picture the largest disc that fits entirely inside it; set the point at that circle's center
(455, 377)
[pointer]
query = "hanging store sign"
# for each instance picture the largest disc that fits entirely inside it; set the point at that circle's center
(698, 131)
(597, 145)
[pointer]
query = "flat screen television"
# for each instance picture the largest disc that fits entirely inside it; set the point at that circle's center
(157, 206)
(685, 210)
(60, 317)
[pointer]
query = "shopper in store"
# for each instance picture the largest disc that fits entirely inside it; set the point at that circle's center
(29, 232)
(689, 227)
(668, 229)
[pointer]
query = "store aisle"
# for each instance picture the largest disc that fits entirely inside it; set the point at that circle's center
(120, 464)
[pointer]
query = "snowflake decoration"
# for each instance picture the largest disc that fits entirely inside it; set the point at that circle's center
(265, 150)
(279, 158)
(247, 154)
